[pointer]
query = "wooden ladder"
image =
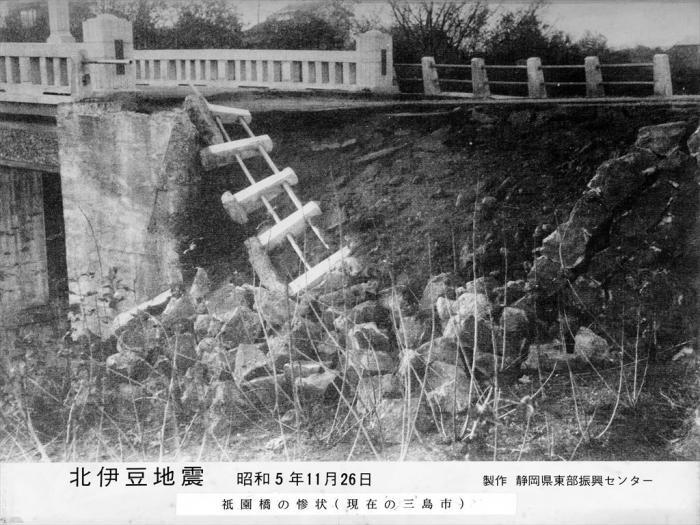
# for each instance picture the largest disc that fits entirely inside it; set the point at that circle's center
(222, 151)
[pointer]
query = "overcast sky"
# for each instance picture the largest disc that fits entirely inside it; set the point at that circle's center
(623, 22)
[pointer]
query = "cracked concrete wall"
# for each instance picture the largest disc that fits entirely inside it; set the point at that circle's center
(125, 178)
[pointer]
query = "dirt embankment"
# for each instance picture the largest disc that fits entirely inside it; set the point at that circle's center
(421, 195)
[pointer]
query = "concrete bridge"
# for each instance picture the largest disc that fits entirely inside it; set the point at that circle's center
(90, 185)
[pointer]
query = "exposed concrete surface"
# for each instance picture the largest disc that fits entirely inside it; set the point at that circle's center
(124, 176)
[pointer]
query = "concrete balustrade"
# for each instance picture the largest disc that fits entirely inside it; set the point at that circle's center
(29, 71)
(369, 67)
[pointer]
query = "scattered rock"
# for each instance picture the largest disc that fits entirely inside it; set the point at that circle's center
(411, 332)
(441, 285)
(482, 118)
(275, 308)
(546, 357)
(226, 299)
(251, 363)
(590, 346)
(179, 314)
(448, 387)
(268, 392)
(694, 145)
(200, 286)
(218, 363)
(242, 325)
(124, 366)
(370, 390)
(391, 420)
(201, 325)
(185, 347)
(519, 118)
(297, 369)
(369, 312)
(482, 285)
(351, 296)
(367, 336)
(320, 387)
(394, 301)
(515, 330)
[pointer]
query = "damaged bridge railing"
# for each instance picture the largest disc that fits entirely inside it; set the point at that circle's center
(533, 79)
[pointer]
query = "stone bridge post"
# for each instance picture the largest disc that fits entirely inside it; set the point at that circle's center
(107, 37)
(59, 22)
(375, 63)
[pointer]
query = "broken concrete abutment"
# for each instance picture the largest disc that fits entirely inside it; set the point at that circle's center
(125, 206)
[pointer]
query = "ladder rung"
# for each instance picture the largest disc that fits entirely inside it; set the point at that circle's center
(224, 154)
(316, 274)
(249, 198)
(230, 115)
(294, 224)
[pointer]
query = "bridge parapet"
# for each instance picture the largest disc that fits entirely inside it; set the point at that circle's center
(50, 73)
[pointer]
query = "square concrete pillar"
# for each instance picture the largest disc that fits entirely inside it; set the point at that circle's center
(109, 37)
(59, 22)
(662, 76)
(375, 62)
(536, 88)
(480, 80)
(431, 84)
(594, 77)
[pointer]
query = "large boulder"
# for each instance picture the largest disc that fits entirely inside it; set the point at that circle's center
(567, 245)
(662, 139)
(617, 179)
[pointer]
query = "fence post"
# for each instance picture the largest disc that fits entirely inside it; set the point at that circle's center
(536, 87)
(375, 62)
(480, 81)
(594, 77)
(109, 37)
(662, 76)
(431, 85)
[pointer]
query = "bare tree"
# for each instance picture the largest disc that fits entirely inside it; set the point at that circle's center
(445, 30)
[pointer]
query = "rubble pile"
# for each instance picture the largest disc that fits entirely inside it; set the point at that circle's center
(235, 353)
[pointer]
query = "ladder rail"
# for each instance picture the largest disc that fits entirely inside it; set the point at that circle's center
(273, 167)
(264, 199)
